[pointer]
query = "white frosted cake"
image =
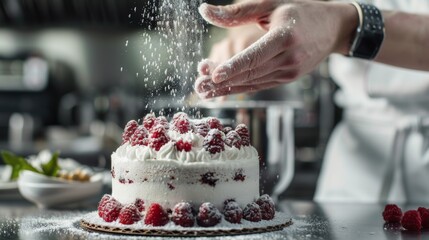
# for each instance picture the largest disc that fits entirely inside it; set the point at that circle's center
(185, 162)
(172, 174)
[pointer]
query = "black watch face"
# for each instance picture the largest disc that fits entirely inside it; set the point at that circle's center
(372, 32)
(369, 45)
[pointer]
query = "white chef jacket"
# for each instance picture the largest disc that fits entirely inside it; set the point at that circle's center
(380, 150)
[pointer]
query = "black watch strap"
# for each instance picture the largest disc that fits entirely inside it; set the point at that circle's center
(369, 34)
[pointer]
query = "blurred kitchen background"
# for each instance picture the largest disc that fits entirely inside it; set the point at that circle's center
(70, 79)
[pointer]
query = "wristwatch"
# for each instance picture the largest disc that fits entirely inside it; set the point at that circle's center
(370, 32)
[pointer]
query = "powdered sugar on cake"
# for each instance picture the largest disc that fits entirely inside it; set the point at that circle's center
(186, 171)
(168, 152)
(185, 160)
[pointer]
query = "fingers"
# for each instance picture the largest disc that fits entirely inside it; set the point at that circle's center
(236, 14)
(203, 84)
(203, 68)
(283, 62)
(282, 75)
(207, 89)
(206, 67)
(239, 89)
(268, 46)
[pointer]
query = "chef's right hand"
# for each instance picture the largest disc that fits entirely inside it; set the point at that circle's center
(300, 34)
(238, 39)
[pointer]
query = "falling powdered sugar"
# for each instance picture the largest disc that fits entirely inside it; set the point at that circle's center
(171, 50)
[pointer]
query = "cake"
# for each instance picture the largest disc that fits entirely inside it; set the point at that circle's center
(172, 169)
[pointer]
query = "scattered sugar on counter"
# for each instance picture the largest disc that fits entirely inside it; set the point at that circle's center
(65, 225)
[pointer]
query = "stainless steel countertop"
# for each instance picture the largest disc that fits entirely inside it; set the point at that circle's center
(22, 220)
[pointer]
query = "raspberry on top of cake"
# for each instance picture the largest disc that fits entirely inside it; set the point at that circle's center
(185, 140)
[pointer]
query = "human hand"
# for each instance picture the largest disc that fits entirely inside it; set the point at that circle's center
(238, 39)
(300, 34)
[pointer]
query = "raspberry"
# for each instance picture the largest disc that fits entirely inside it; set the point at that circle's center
(242, 130)
(179, 115)
(233, 139)
(252, 212)
(411, 220)
(213, 142)
(266, 204)
(183, 146)
(208, 215)
(182, 125)
(129, 214)
(156, 215)
(392, 213)
(102, 203)
(201, 127)
(149, 121)
(226, 130)
(129, 130)
(214, 123)
(161, 120)
(424, 215)
(111, 210)
(182, 215)
(139, 136)
(209, 178)
(158, 137)
(139, 203)
(239, 175)
(232, 212)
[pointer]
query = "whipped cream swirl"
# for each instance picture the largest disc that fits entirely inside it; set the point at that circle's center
(169, 152)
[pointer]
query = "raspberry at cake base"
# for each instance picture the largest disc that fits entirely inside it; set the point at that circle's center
(162, 166)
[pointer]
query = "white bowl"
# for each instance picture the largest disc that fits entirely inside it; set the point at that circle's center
(48, 192)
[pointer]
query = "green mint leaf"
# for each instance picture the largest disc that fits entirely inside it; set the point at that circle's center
(51, 168)
(12, 160)
(9, 158)
(17, 163)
